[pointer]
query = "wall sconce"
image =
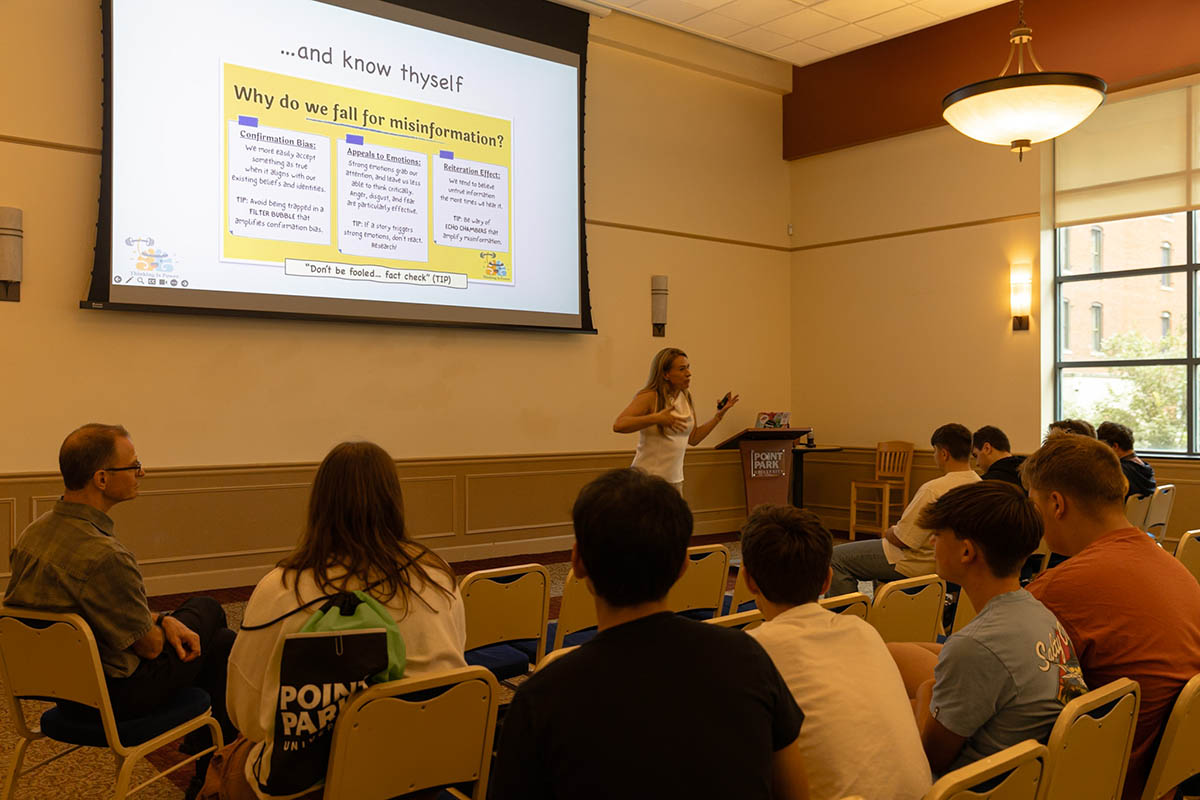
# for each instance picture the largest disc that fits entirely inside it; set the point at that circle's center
(1020, 294)
(10, 253)
(658, 305)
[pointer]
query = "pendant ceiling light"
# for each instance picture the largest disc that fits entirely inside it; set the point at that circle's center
(1024, 108)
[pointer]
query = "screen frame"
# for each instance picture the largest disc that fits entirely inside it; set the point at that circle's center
(552, 25)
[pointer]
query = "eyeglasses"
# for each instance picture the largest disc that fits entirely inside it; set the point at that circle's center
(137, 465)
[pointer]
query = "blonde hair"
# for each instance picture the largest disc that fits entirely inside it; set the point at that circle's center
(657, 382)
(1079, 467)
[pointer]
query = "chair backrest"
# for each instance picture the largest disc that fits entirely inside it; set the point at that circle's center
(1019, 770)
(1159, 514)
(578, 609)
(388, 740)
(745, 621)
(1188, 552)
(1043, 555)
(702, 584)
(506, 604)
(1089, 744)
(893, 460)
(1137, 506)
(554, 655)
(856, 604)
(909, 610)
(964, 612)
(51, 655)
(741, 592)
(1178, 756)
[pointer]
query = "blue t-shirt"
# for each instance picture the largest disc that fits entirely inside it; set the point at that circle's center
(1005, 676)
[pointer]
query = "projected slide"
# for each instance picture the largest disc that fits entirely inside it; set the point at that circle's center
(300, 157)
(322, 177)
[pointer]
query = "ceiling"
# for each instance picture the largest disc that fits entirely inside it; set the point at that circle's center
(800, 31)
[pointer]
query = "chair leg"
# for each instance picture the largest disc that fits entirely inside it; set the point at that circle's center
(124, 776)
(885, 509)
(853, 509)
(14, 770)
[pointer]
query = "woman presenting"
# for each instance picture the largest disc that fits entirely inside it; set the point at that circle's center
(664, 417)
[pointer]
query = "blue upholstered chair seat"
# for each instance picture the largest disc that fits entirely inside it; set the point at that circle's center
(77, 724)
(502, 660)
(529, 646)
(749, 605)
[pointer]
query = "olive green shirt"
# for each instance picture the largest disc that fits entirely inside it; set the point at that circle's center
(68, 560)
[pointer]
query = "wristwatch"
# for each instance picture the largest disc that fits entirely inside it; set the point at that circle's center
(159, 619)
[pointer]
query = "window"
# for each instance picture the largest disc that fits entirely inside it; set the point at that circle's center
(1097, 326)
(1140, 365)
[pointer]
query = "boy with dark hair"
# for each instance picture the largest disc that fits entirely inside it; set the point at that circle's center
(633, 711)
(905, 550)
(993, 453)
(836, 666)
(1139, 474)
(1132, 610)
(1005, 676)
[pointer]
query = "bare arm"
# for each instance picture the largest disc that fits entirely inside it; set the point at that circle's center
(699, 433)
(149, 646)
(789, 780)
(941, 745)
(183, 639)
(639, 414)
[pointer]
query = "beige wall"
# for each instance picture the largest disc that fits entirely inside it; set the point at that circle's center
(673, 152)
(900, 290)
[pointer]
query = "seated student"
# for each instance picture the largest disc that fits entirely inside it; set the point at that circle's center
(836, 666)
(905, 550)
(1131, 609)
(1005, 676)
(993, 454)
(355, 537)
(1079, 426)
(1139, 474)
(656, 705)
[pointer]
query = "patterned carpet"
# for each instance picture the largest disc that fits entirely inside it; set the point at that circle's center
(89, 772)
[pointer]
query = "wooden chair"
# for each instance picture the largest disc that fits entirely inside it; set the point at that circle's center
(49, 656)
(893, 469)
(554, 655)
(503, 605)
(1089, 744)
(743, 621)
(394, 738)
(577, 612)
(1188, 552)
(1136, 508)
(909, 610)
(856, 604)
(1161, 503)
(702, 585)
(1018, 769)
(1178, 756)
(1043, 554)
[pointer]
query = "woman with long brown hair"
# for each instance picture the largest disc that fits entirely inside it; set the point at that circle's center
(664, 417)
(355, 538)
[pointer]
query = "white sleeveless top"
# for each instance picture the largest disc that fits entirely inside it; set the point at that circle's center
(662, 454)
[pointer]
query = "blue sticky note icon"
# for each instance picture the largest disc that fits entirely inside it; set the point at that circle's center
(447, 154)
(353, 138)
(250, 122)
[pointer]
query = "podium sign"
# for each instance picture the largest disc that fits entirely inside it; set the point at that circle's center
(766, 463)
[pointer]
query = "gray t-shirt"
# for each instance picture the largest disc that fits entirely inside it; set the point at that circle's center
(1005, 676)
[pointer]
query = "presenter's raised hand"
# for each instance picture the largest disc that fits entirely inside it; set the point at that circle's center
(185, 640)
(723, 410)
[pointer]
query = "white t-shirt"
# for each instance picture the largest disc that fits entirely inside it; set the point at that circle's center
(918, 559)
(661, 453)
(859, 735)
(434, 636)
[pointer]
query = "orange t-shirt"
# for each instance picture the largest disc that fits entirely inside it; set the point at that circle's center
(1132, 611)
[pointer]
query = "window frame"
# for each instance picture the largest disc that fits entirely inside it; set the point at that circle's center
(1191, 361)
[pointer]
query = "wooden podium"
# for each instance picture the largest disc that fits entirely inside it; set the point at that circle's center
(766, 462)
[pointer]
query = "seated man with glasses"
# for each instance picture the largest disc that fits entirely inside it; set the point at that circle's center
(69, 560)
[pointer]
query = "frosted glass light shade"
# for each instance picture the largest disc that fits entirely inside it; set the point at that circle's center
(1028, 108)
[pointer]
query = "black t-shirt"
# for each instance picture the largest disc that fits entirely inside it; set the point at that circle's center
(1006, 469)
(658, 707)
(1140, 476)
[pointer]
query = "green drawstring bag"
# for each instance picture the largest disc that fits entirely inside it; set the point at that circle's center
(356, 611)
